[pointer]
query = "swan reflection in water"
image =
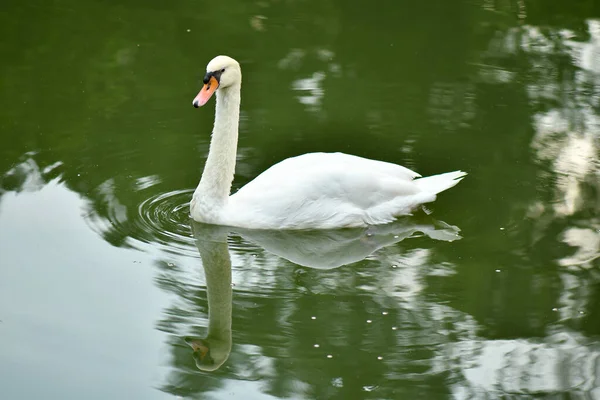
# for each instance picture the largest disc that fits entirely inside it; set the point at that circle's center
(213, 350)
(323, 249)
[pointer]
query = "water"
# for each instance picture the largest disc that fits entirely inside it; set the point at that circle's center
(103, 294)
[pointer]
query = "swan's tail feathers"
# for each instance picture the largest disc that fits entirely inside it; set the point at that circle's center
(438, 183)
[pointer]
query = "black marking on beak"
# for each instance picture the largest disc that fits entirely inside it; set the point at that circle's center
(215, 74)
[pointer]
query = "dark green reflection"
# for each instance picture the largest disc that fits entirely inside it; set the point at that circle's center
(96, 96)
(292, 332)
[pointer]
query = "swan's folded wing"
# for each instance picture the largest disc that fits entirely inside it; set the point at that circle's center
(332, 188)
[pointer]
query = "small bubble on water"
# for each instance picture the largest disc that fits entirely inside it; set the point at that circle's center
(171, 264)
(497, 270)
(396, 236)
(555, 309)
(394, 266)
(369, 321)
(394, 328)
(581, 312)
(384, 313)
(313, 317)
(379, 358)
(316, 346)
(501, 229)
(329, 356)
(189, 30)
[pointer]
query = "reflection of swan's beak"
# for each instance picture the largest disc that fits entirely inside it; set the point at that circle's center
(201, 351)
(210, 86)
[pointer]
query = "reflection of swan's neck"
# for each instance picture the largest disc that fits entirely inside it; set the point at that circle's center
(217, 269)
(215, 183)
(214, 349)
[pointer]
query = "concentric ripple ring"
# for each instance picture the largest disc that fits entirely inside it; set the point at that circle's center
(164, 219)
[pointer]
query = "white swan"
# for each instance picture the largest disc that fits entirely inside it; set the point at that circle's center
(311, 191)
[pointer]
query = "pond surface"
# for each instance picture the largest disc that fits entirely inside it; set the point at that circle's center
(108, 291)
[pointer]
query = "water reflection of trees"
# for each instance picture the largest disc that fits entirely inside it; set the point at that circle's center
(558, 68)
(358, 315)
(563, 87)
(458, 102)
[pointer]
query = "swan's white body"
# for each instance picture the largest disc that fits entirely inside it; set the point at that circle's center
(311, 191)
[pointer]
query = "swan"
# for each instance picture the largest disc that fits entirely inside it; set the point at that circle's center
(310, 191)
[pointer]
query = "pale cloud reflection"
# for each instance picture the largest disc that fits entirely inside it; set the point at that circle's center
(587, 242)
(573, 298)
(145, 182)
(25, 176)
(493, 75)
(566, 139)
(563, 362)
(257, 22)
(117, 211)
(588, 56)
(292, 60)
(476, 367)
(309, 90)
(574, 157)
(566, 146)
(567, 136)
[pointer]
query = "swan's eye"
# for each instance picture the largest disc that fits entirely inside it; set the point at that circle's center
(223, 70)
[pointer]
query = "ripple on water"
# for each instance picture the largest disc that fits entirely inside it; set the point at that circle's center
(166, 217)
(162, 221)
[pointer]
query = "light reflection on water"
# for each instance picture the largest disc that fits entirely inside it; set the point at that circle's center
(260, 278)
(509, 309)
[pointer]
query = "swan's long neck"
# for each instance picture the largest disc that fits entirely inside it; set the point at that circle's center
(215, 184)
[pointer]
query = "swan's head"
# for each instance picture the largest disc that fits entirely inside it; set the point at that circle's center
(221, 72)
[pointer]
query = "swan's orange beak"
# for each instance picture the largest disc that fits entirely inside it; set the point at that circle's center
(207, 91)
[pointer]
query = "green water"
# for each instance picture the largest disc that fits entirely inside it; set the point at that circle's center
(104, 295)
